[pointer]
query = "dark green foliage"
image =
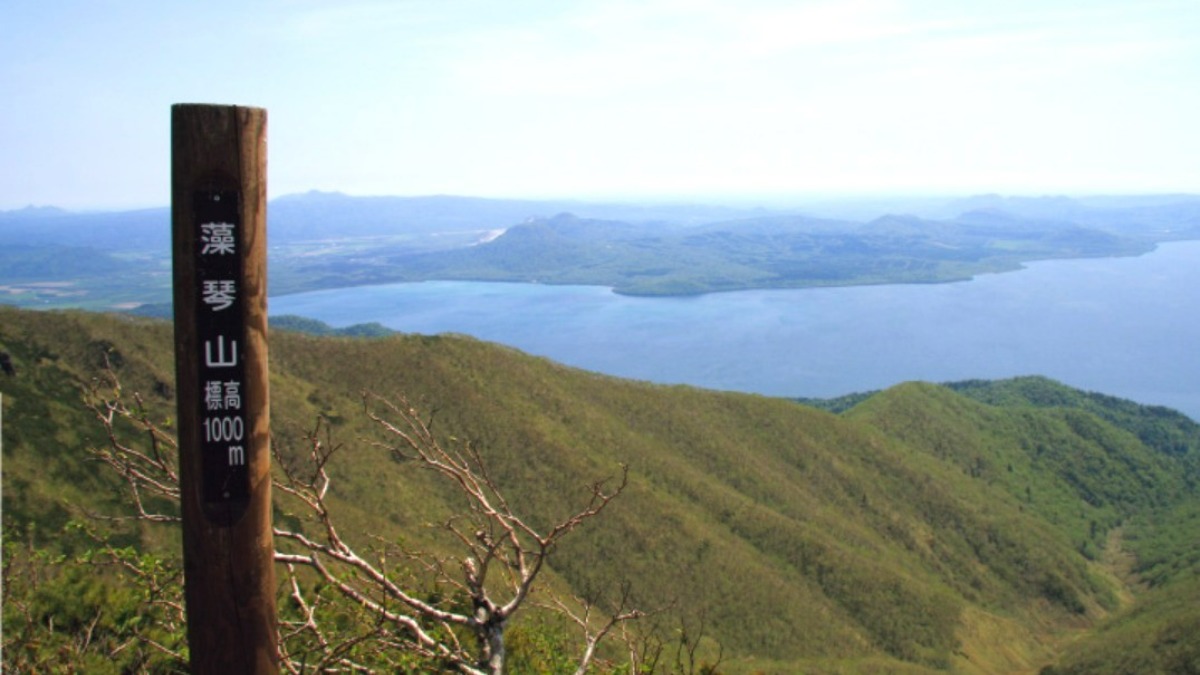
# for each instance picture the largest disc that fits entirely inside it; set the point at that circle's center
(541, 646)
(865, 542)
(1166, 544)
(1074, 468)
(1149, 485)
(1160, 428)
(839, 404)
(79, 614)
(1161, 634)
(300, 324)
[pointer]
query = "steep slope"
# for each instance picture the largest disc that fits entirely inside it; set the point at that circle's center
(921, 531)
(1162, 429)
(1067, 465)
(1131, 485)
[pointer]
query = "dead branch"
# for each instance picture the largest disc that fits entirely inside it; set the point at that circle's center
(502, 555)
(496, 541)
(153, 473)
(594, 634)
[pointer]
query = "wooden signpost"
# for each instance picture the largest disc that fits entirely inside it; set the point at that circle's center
(218, 213)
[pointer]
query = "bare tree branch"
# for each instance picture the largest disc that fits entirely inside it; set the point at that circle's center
(153, 473)
(593, 635)
(494, 542)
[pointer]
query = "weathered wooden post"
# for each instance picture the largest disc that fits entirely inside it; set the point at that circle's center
(218, 212)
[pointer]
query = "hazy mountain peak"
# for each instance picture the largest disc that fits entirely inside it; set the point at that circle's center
(313, 195)
(32, 211)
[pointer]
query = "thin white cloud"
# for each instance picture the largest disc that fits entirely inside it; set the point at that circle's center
(606, 48)
(593, 96)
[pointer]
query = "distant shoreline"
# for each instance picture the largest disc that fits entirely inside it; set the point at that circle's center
(1004, 268)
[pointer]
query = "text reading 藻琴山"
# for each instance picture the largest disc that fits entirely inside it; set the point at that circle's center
(221, 328)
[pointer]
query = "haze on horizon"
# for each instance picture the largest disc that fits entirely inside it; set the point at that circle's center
(703, 99)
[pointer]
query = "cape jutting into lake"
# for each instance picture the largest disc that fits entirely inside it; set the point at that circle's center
(1129, 327)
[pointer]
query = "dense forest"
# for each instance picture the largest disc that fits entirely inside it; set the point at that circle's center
(977, 527)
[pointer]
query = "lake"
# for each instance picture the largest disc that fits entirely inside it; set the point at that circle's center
(1129, 327)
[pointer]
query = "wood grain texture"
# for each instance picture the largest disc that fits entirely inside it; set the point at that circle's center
(228, 548)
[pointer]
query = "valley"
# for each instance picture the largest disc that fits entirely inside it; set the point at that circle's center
(923, 529)
(999, 523)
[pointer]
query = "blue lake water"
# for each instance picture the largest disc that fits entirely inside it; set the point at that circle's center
(1129, 327)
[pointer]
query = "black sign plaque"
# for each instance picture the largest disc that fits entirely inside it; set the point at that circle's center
(221, 339)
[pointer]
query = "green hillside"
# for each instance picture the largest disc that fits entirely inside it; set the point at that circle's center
(984, 530)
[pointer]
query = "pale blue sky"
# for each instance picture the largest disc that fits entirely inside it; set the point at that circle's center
(696, 99)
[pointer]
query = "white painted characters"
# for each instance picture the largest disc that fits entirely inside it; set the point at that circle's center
(219, 294)
(218, 238)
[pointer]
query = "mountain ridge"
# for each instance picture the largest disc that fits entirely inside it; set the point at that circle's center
(892, 537)
(331, 240)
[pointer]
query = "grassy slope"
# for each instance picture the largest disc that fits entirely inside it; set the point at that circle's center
(922, 530)
(1148, 488)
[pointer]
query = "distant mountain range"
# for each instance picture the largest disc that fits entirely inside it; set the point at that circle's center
(319, 215)
(327, 240)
